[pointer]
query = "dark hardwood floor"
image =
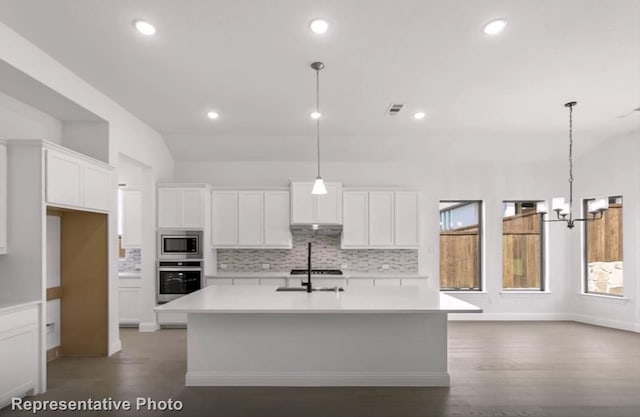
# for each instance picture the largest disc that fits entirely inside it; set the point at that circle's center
(561, 369)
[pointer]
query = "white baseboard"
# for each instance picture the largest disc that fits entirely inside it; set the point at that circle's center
(318, 379)
(510, 317)
(615, 324)
(150, 326)
(115, 347)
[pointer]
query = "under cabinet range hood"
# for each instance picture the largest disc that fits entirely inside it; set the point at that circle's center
(321, 229)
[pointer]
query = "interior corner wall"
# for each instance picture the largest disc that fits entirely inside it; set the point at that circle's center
(610, 169)
(21, 121)
(490, 182)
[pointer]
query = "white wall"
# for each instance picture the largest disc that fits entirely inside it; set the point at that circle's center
(89, 138)
(127, 135)
(491, 183)
(21, 121)
(611, 169)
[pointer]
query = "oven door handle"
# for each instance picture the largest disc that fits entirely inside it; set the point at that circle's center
(185, 269)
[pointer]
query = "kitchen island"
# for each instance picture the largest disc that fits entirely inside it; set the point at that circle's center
(255, 336)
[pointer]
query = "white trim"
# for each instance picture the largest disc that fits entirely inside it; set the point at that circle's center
(510, 317)
(522, 292)
(407, 379)
(151, 326)
(115, 347)
(606, 298)
(615, 324)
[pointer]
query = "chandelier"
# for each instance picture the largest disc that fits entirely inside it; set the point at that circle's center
(563, 209)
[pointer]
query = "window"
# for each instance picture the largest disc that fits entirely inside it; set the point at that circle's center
(522, 247)
(460, 245)
(603, 250)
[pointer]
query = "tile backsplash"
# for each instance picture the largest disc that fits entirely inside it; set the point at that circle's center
(326, 254)
(130, 262)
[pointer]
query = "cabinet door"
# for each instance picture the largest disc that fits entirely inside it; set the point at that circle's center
(407, 215)
(276, 219)
(250, 218)
(224, 220)
(355, 207)
(96, 187)
(381, 218)
(192, 209)
(3, 199)
(387, 282)
(169, 202)
(329, 205)
(302, 203)
(64, 179)
(131, 219)
(129, 305)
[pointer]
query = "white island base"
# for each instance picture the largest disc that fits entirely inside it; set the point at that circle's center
(254, 336)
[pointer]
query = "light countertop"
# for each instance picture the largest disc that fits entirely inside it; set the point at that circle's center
(346, 275)
(265, 299)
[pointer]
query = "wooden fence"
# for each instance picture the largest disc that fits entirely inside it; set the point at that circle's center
(605, 236)
(459, 263)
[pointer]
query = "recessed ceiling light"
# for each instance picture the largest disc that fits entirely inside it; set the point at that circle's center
(319, 26)
(419, 115)
(212, 115)
(315, 115)
(495, 26)
(145, 28)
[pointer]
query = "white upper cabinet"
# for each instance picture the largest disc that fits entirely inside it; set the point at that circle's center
(407, 218)
(76, 181)
(180, 208)
(131, 213)
(276, 219)
(250, 219)
(381, 230)
(224, 218)
(355, 231)
(381, 219)
(3, 198)
(307, 208)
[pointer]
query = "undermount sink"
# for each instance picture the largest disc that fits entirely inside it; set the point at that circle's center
(304, 289)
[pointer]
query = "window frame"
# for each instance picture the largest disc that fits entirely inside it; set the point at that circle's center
(585, 248)
(462, 203)
(543, 253)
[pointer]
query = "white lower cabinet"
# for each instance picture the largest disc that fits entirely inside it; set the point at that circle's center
(52, 325)
(129, 296)
(219, 281)
(361, 282)
(246, 281)
(414, 282)
(387, 282)
(172, 319)
(19, 336)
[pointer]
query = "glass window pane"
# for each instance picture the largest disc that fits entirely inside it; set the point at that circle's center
(522, 247)
(603, 250)
(460, 232)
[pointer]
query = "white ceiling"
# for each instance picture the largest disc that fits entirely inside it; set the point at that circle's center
(249, 60)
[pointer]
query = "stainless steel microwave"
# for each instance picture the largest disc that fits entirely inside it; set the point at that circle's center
(180, 244)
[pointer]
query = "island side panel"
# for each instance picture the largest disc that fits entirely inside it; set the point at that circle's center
(333, 349)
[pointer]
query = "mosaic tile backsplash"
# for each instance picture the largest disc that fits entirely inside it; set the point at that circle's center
(130, 261)
(326, 254)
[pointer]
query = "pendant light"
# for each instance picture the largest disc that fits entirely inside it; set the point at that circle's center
(564, 211)
(318, 185)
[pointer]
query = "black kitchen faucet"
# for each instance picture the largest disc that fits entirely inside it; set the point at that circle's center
(308, 283)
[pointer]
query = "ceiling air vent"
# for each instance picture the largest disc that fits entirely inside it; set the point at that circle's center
(394, 109)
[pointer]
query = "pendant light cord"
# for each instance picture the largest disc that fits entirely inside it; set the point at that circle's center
(318, 119)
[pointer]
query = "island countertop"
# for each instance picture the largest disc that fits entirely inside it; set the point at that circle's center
(265, 299)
